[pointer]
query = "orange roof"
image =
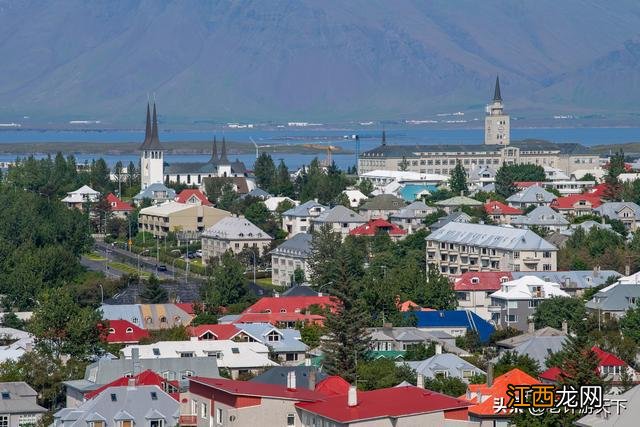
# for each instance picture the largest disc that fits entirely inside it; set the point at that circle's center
(189, 195)
(568, 202)
(498, 389)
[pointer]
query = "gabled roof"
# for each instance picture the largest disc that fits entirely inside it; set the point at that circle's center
(616, 297)
(157, 187)
(339, 214)
(303, 209)
(192, 194)
(497, 390)
(416, 209)
(491, 236)
(221, 331)
(569, 201)
(124, 332)
(607, 359)
(533, 194)
(521, 289)
(457, 217)
(611, 209)
(235, 228)
(383, 202)
(552, 374)
(297, 246)
(446, 363)
(454, 318)
(539, 347)
(278, 376)
(147, 377)
(513, 342)
(333, 385)
(22, 399)
(289, 304)
(542, 216)
(118, 205)
(481, 281)
(375, 226)
(257, 389)
(394, 402)
(494, 207)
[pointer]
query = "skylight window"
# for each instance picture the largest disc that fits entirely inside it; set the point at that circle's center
(114, 398)
(5, 395)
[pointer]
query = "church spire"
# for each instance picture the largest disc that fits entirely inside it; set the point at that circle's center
(497, 97)
(223, 152)
(147, 131)
(384, 137)
(154, 127)
(214, 151)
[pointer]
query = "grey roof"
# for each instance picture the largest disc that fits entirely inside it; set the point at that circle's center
(339, 214)
(491, 236)
(628, 416)
(457, 216)
(611, 209)
(383, 202)
(22, 399)
(452, 364)
(106, 370)
(416, 209)
(300, 291)
(411, 334)
(542, 145)
(210, 167)
(148, 192)
(257, 192)
(151, 139)
(138, 404)
(542, 216)
(476, 173)
(290, 340)
(303, 209)
(533, 194)
(299, 246)
(539, 348)
(411, 151)
(278, 375)
(617, 297)
(586, 226)
(513, 342)
(235, 228)
(579, 279)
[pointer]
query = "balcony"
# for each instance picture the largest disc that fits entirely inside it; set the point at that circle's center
(188, 420)
(494, 309)
(530, 260)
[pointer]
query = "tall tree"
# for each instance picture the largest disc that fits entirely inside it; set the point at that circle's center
(438, 292)
(265, 171)
(153, 293)
(616, 166)
(553, 311)
(283, 184)
(458, 180)
(227, 284)
(325, 244)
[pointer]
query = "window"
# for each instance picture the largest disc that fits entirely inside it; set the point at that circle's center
(291, 420)
(129, 330)
(546, 267)
(203, 410)
(32, 420)
(235, 350)
(186, 354)
(292, 357)
(219, 416)
(546, 254)
(163, 319)
(156, 351)
(273, 336)
(112, 331)
(155, 423)
(114, 398)
(154, 395)
(4, 421)
(516, 255)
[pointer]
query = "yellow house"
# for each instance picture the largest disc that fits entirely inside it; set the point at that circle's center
(173, 216)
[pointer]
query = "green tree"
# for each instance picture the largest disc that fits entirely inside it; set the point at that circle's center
(310, 333)
(438, 292)
(420, 352)
(404, 164)
(11, 320)
(325, 245)
(283, 185)
(616, 166)
(227, 284)
(588, 177)
(458, 179)
(365, 186)
(62, 327)
(383, 373)
(259, 214)
(553, 311)
(630, 323)
(153, 293)
(504, 183)
(265, 171)
(452, 386)
(510, 360)
(298, 275)
(507, 175)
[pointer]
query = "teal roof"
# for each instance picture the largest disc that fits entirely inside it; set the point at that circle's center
(410, 191)
(388, 354)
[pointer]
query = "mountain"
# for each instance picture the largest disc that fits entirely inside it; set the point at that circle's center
(305, 60)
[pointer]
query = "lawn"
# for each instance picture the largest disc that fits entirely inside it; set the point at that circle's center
(127, 269)
(95, 257)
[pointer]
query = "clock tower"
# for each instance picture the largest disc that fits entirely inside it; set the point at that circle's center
(496, 123)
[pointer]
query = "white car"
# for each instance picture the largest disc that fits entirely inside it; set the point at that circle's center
(199, 253)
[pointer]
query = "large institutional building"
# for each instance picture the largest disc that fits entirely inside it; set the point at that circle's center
(497, 149)
(154, 169)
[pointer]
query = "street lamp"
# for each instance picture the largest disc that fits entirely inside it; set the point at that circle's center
(173, 267)
(253, 254)
(101, 293)
(322, 286)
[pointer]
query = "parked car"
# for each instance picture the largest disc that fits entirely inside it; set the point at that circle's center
(199, 253)
(161, 268)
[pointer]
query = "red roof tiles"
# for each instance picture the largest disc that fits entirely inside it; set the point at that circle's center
(221, 332)
(494, 207)
(569, 202)
(481, 281)
(191, 195)
(118, 205)
(256, 389)
(606, 358)
(286, 309)
(147, 377)
(125, 332)
(384, 403)
(374, 226)
(552, 374)
(333, 385)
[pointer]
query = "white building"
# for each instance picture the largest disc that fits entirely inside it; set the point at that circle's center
(78, 198)
(341, 220)
(298, 220)
(234, 234)
(152, 153)
(459, 247)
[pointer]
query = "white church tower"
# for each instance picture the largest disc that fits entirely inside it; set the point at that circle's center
(152, 153)
(496, 123)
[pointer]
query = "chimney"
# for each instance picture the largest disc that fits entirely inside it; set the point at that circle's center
(420, 381)
(564, 327)
(490, 374)
(135, 360)
(291, 380)
(320, 294)
(312, 379)
(532, 327)
(352, 396)
(438, 348)
(131, 384)
(276, 294)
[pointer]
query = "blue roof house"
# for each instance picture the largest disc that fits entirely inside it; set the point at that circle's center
(455, 322)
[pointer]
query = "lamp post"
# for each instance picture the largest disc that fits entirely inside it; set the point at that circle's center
(173, 267)
(253, 254)
(101, 293)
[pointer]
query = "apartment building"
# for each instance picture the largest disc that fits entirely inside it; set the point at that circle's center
(174, 217)
(233, 234)
(18, 405)
(458, 247)
(340, 219)
(298, 220)
(293, 254)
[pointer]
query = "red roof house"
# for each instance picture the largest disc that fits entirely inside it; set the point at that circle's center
(333, 385)
(192, 196)
(551, 375)
(486, 396)
(286, 310)
(124, 332)
(521, 185)
(213, 332)
(576, 204)
(117, 205)
(598, 190)
(414, 405)
(147, 377)
(496, 208)
(490, 281)
(376, 226)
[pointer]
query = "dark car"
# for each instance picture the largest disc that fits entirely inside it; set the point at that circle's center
(161, 267)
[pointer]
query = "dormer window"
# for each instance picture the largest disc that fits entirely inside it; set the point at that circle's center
(273, 336)
(112, 331)
(475, 280)
(163, 319)
(129, 330)
(283, 310)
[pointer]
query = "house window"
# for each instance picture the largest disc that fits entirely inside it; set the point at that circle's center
(546, 267)
(154, 395)
(112, 331)
(114, 397)
(516, 255)
(129, 330)
(292, 357)
(156, 351)
(273, 336)
(186, 354)
(32, 420)
(546, 254)
(291, 420)
(4, 421)
(203, 410)
(219, 416)
(156, 423)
